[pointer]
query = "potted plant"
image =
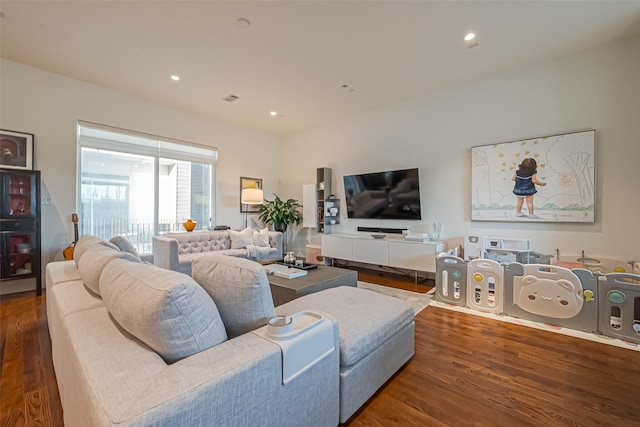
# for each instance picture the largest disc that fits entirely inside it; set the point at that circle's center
(280, 213)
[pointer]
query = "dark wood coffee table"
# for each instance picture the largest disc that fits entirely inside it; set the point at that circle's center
(324, 277)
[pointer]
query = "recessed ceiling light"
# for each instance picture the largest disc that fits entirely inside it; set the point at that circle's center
(273, 113)
(175, 78)
(469, 36)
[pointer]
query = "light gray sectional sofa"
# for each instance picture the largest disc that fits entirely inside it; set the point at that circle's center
(135, 344)
(176, 251)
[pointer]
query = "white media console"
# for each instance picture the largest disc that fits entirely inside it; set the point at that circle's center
(390, 251)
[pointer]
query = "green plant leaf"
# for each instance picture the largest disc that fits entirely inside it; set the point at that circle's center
(280, 213)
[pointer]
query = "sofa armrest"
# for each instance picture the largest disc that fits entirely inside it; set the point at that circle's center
(276, 240)
(165, 252)
(239, 382)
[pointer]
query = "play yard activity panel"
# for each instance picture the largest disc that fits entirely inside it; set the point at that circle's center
(579, 299)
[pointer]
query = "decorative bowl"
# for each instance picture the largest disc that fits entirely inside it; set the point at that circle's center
(23, 248)
(189, 225)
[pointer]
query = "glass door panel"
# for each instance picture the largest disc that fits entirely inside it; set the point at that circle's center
(117, 196)
(21, 201)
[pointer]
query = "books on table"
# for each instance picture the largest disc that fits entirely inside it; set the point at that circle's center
(272, 268)
(290, 273)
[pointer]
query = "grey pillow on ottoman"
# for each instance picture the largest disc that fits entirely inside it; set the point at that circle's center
(239, 288)
(166, 310)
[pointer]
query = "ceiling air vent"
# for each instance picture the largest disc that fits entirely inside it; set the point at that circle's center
(230, 98)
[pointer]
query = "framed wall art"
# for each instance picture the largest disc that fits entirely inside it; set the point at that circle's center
(545, 179)
(249, 183)
(16, 150)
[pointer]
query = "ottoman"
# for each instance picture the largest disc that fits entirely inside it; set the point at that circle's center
(376, 338)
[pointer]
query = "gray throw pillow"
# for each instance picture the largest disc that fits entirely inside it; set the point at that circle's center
(239, 288)
(124, 245)
(166, 310)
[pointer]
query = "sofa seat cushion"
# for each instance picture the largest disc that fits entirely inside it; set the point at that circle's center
(166, 310)
(224, 252)
(110, 370)
(61, 272)
(239, 288)
(258, 253)
(63, 300)
(367, 319)
(70, 297)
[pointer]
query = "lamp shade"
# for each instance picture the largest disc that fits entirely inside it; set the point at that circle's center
(251, 196)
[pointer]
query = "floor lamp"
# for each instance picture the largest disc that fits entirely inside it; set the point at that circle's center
(250, 196)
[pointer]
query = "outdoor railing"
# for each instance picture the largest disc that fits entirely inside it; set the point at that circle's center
(139, 232)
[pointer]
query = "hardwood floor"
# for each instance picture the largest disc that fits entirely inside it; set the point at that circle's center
(28, 390)
(467, 371)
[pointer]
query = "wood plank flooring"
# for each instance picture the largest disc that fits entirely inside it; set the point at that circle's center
(28, 389)
(467, 371)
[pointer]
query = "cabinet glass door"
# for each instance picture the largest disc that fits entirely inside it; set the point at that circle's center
(21, 203)
(19, 251)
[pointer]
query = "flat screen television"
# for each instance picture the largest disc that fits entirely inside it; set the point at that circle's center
(383, 195)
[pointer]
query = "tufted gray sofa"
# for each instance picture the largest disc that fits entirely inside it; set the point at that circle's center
(177, 251)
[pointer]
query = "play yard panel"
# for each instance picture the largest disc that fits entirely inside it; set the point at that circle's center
(485, 285)
(451, 280)
(553, 295)
(619, 306)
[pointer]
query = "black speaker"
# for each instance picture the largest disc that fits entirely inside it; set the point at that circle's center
(382, 230)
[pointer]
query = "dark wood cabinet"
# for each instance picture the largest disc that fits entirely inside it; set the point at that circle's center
(20, 226)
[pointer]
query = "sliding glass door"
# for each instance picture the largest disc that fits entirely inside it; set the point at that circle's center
(135, 185)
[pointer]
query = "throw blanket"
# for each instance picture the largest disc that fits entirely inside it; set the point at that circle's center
(258, 252)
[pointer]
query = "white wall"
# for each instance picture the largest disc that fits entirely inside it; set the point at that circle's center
(597, 89)
(49, 106)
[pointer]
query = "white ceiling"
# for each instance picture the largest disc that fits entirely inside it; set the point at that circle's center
(296, 55)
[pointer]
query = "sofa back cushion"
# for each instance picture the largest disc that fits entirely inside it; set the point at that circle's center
(93, 260)
(85, 242)
(166, 310)
(204, 241)
(239, 288)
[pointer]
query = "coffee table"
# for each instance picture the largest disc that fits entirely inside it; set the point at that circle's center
(324, 277)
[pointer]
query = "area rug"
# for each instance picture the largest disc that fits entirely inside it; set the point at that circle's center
(420, 301)
(417, 300)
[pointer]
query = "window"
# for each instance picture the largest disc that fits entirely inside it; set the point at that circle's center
(136, 185)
